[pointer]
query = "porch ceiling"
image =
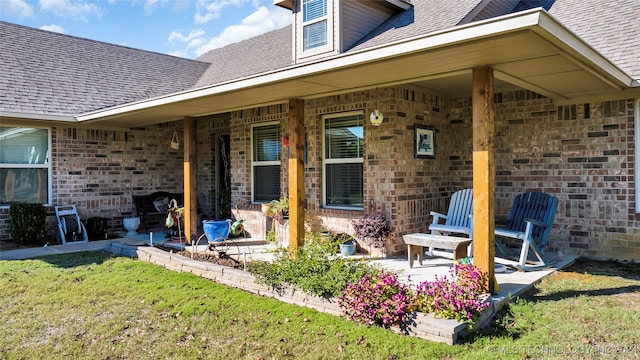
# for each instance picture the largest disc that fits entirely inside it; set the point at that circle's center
(530, 50)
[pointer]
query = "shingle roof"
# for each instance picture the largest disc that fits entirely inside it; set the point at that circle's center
(611, 27)
(605, 27)
(50, 73)
(60, 74)
(262, 53)
(425, 17)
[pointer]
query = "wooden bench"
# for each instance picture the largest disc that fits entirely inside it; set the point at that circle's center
(416, 243)
(147, 211)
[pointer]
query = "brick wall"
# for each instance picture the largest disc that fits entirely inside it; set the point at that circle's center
(255, 222)
(99, 170)
(581, 153)
(396, 183)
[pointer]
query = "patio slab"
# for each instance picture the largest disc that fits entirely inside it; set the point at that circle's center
(511, 282)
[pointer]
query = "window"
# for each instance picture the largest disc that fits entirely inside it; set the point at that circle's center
(265, 162)
(314, 24)
(637, 154)
(24, 165)
(343, 161)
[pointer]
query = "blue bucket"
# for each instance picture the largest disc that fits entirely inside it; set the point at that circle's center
(216, 230)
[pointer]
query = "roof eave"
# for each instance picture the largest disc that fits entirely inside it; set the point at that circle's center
(536, 20)
(37, 116)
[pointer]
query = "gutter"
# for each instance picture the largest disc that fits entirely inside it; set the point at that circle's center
(37, 116)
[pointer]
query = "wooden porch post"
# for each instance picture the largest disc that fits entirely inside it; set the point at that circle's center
(483, 173)
(190, 180)
(296, 175)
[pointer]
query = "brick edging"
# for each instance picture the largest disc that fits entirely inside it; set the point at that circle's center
(426, 325)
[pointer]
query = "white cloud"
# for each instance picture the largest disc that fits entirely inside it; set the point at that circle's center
(149, 6)
(179, 53)
(259, 22)
(16, 7)
(177, 36)
(54, 28)
(207, 10)
(71, 8)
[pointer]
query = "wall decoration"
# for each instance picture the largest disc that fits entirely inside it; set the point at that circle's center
(425, 142)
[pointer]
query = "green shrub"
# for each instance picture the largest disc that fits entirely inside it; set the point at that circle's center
(315, 270)
(271, 237)
(27, 223)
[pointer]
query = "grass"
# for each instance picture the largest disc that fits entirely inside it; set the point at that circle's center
(99, 306)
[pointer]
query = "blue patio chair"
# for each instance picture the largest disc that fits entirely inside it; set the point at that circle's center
(458, 218)
(530, 221)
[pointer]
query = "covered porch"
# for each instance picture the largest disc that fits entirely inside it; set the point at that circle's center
(527, 51)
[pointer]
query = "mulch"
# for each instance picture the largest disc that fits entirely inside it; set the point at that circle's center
(208, 257)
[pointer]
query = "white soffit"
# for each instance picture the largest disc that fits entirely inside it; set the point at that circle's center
(529, 49)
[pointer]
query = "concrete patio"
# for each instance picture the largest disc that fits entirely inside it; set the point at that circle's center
(511, 282)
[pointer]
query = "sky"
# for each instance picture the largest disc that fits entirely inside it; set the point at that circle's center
(184, 28)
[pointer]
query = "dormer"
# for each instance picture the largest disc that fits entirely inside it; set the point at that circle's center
(323, 28)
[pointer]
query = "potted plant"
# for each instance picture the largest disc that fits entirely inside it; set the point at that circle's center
(346, 244)
(266, 209)
(279, 209)
(372, 229)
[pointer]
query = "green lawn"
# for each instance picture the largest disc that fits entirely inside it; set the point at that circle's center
(100, 306)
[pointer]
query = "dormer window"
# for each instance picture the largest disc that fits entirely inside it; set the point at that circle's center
(323, 28)
(314, 24)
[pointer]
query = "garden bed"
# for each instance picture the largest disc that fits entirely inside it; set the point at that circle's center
(206, 257)
(425, 326)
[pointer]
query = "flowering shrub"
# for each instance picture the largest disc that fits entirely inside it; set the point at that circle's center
(456, 298)
(377, 299)
(372, 229)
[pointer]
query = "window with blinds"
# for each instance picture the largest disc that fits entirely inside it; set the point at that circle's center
(314, 24)
(24, 165)
(343, 161)
(265, 162)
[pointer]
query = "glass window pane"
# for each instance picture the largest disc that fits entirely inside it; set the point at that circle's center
(266, 143)
(344, 185)
(23, 185)
(24, 145)
(313, 9)
(343, 142)
(315, 35)
(266, 183)
(344, 137)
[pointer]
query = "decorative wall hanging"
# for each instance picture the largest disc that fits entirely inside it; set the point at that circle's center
(425, 142)
(175, 144)
(376, 116)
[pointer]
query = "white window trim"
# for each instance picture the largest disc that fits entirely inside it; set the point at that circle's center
(48, 165)
(636, 164)
(330, 41)
(326, 161)
(261, 163)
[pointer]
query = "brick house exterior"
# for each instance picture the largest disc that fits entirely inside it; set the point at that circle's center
(578, 148)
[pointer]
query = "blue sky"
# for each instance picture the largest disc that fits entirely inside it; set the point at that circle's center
(185, 28)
